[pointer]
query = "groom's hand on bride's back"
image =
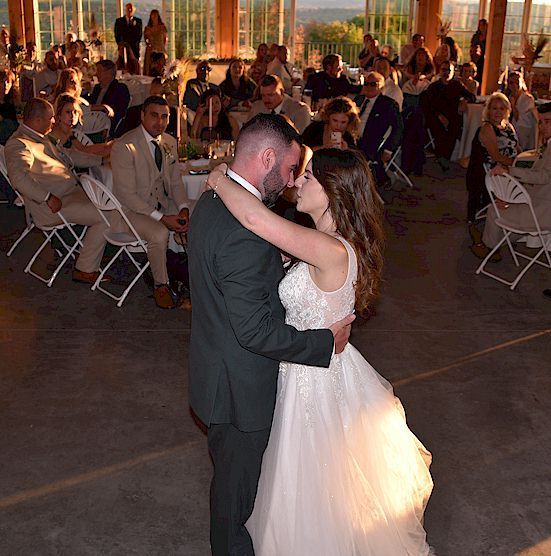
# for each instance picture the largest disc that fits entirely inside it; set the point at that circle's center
(341, 332)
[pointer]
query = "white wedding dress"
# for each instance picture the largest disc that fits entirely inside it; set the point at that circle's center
(342, 474)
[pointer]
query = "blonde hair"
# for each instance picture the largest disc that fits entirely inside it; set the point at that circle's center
(495, 97)
(62, 100)
(343, 105)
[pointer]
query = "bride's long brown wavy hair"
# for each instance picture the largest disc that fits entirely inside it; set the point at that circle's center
(357, 211)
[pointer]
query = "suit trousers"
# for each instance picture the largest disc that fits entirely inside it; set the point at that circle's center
(516, 215)
(237, 459)
(77, 209)
(156, 234)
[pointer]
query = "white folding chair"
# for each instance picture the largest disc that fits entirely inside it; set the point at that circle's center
(392, 165)
(65, 249)
(18, 202)
(104, 200)
(95, 122)
(509, 190)
(431, 144)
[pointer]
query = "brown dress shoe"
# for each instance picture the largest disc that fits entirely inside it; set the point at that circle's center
(164, 297)
(185, 304)
(88, 277)
(480, 251)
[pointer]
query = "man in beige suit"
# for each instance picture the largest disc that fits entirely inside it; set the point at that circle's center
(275, 101)
(148, 183)
(45, 178)
(537, 181)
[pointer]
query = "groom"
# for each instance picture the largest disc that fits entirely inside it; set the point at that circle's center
(238, 333)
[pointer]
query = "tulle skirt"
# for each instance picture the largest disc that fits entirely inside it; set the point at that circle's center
(342, 475)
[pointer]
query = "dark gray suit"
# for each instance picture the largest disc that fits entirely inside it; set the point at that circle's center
(238, 337)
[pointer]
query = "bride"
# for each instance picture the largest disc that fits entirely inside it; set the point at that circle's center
(342, 475)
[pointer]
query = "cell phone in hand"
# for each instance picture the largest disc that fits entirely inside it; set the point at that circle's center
(336, 138)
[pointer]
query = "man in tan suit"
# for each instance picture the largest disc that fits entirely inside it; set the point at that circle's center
(537, 181)
(45, 178)
(275, 101)
(148, 183)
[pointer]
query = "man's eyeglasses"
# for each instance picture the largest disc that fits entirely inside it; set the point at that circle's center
(371, 83)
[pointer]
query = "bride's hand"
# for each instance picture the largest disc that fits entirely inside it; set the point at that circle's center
(216, 176)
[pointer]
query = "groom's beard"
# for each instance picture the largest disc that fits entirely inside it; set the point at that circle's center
(273, 186)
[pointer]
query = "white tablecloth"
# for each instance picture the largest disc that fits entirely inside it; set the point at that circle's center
(472, 120)
(139, 86)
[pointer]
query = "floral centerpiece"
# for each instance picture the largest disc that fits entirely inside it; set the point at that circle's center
(177, 74)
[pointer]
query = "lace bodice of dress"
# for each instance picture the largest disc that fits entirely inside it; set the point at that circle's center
(309, 307)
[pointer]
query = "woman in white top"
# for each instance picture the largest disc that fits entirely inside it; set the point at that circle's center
(524, 117)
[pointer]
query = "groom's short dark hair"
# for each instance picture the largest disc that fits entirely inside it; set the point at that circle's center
(267, 127)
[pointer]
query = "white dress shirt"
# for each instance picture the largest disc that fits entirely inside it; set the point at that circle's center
(244, 183)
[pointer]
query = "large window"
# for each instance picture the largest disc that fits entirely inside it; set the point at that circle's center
(262, 21)
(388, 22)
(463, 15)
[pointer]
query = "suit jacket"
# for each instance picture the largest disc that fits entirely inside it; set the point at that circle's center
(36, 168)
(137, 182)
(117, 97)
(385, 113)
(296, 111)
(238, 334)
(194, 89)
(130, 33)
(323, 85)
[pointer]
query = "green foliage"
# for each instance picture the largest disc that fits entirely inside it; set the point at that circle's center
(335, 32)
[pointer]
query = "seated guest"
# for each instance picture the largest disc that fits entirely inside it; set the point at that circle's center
(68, 114)
(223, 127)
(442, 54)
(109, 92)
(44, 80)
(261, 55)
(237, 87)
(197, 86)
(537, 181)
(133, 116)
(338, 126)
(272, 52)
(157, 64)
(8, 100)
(388, 52)
(282, 68)
(407, 51)
(70, 38)
(391, 89)
(45, 178)
(377, 114)
(69, 82)
(147, 182)
(467, 77)
(523, 109)
(330, 82)
(441, 103)
(420, 66)
(257, 71)
(275, 101)
(126, 60)
(369, 52)
(455, 50)
(495, 142)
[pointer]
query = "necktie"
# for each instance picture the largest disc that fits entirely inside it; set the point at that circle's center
(542, 150)
(364, 106)
(273, 111)
(158, 156)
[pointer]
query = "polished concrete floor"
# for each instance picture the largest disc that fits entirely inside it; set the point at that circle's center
(99, 453)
